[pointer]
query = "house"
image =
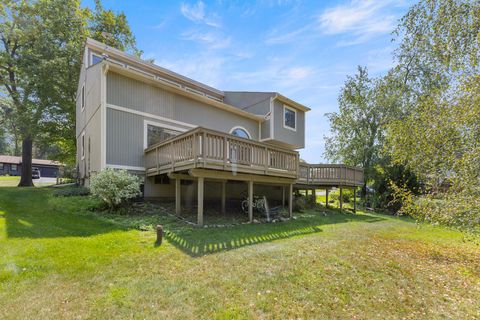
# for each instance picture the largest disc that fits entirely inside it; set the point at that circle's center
(187, 140)
(12, 166)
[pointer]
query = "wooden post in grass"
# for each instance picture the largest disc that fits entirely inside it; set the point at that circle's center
(178, 194)
(200, 201)
(159, 235)
(326, 197)
(341, 199)
(250, 201)
(290, 200)
(224, 195)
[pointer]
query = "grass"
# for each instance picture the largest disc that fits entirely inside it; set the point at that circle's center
(12, 181)
(58, 259)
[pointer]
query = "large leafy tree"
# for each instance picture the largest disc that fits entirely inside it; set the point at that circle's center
(40, 56)
(357, 130)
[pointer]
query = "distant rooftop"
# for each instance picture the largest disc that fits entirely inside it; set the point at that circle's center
(18, 160)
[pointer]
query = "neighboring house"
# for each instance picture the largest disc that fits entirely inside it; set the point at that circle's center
(12, 166)
(186, 139)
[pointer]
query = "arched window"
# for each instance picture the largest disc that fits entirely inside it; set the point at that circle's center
(240, 132)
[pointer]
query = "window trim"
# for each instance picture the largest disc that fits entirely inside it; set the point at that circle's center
(16, 167)
(285, 107)
(242, 128)
(82, 145)
(2, 166)
(160, 125)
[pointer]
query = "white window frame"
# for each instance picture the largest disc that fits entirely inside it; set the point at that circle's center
(242, 128)
(82, 145)
(285, 107)
(160, 125)
(82, 97)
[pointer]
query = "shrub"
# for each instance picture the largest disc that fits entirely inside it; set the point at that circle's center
(71, 192)
(114, 187)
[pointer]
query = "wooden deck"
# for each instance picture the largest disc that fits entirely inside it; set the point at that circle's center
(202, 148)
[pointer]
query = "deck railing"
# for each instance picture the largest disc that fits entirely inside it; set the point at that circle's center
(330, 174)
(205, 148)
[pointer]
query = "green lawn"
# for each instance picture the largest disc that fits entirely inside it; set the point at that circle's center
(12, 181)
(59, 260)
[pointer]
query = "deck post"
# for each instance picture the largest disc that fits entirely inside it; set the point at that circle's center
(250, 200)
(290, 200)
(326, 197)
(355, 199)
(341, 198)
(200, 201)
(283, 196)
(178, 195)
(224, 194)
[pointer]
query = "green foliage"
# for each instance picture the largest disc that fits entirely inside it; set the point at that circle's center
(40, 58)
(71, 192)
(114, 187)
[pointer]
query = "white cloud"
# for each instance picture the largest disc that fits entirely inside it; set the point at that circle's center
(211, 39)
(196, 13)
(361, 18)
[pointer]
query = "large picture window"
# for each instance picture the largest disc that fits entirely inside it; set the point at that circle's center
(156, 134)
(289, 118)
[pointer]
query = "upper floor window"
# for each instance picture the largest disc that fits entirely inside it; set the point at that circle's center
(13, 167)
(82, 97)
(289, 118)
(156, 134)
(240, 132)
(96, 59)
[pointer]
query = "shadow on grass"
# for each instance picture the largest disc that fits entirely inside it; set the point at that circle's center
(35, 213)
(201, 241)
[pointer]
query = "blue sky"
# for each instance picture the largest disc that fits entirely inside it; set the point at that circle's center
(302, 49)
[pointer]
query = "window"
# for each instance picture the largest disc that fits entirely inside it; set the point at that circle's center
(157, 134)
(240, 132)
(289, 118)
(1, 166)
(96, 59)
(83, 146)
(82, 96)
(13, 167)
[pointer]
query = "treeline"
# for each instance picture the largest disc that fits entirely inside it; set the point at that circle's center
(41, 47)
(416, 130)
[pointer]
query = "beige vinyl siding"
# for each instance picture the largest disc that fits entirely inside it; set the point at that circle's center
(295, 138)
(88, 121)
(124, 139)
(133, 94)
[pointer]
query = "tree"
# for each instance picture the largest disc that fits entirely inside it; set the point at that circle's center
(357, 130)
(40, 58)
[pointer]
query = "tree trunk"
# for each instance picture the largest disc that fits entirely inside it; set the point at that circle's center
(26, 179)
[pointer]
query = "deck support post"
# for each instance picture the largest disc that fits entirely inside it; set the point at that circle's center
(326, 197)
(200, 182)
(290, 200)
(224, 195)
(341, 198)
(250, 201)
(283, 196)
(355, 199)
(178, 195)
